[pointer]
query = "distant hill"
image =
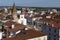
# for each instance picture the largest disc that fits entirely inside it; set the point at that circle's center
(26, 7)
(30, 7)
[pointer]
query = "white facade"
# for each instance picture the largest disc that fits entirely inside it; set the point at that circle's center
(22, 20)
(59, 34)
(31, 15)
(39, 38)
(46, 23)
(13, 26)
(48, 16)
(40, 17)
(1, 35)
(54, 10)
(18, 31)
(30, 11)
(36, 13)
(43, 12)
(18, 11)
(6, 10)
(51, 12)
(34, 19)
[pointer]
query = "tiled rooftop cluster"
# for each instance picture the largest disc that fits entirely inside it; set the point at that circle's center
(19, 24)
(14, 21)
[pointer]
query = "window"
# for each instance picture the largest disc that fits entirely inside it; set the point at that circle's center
(49, 38)
(54, 39)
(49, 34)
(49, 29)
(54, 35)
(55, 30)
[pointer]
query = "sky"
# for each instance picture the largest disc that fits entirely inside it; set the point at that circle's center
(33, 3)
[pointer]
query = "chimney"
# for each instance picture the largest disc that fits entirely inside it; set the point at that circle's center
(13, 26)
(52, 25)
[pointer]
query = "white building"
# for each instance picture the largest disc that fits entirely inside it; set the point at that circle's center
(18, 11)
(5, 10)
(54, 10)
(51, 12)
(22, 20)
(39, 38)
(43, 12)
(48, 16)
(1, 35)
(36, 35)
(30, 12)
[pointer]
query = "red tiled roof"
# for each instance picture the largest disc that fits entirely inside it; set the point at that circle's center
(29, 34)
(17, 26)
(54, 23)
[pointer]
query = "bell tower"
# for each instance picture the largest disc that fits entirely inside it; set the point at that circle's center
(14, 13)
(14, 8)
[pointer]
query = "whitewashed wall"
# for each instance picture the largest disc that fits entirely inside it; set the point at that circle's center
(22, 20)
(59, 34)
(39, 38)
(0, 35)
(19, 11)
(48, 16)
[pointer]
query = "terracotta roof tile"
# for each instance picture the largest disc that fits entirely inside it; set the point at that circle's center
(17, 26)
(29, 34)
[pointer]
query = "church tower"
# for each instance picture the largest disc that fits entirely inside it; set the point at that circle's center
(14, 13)
(14, 8)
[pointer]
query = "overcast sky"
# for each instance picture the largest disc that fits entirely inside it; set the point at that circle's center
(36, 3)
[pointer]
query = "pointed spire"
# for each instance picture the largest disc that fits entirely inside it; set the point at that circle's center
(14, 13)
(14, 8)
